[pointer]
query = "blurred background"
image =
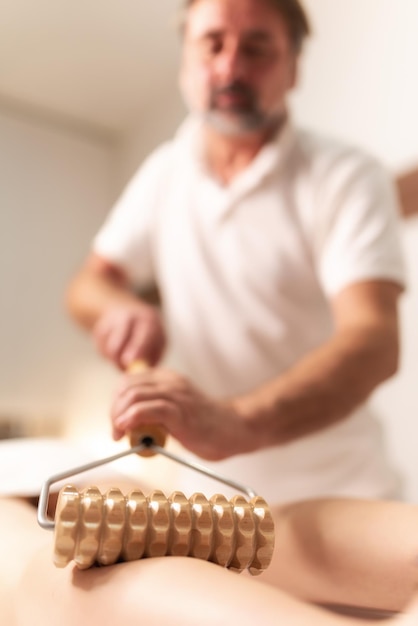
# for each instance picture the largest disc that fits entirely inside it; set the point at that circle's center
(86, 90)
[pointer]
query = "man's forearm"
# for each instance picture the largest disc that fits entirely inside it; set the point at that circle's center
(323, 388)
(90, 294)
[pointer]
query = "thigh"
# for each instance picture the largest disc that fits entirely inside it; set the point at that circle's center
(184, 591)
(173, 591)
(346, 551)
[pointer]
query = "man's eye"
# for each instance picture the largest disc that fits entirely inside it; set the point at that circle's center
(257, 51)
(210, 48)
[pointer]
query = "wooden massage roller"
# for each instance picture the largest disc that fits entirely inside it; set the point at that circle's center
(92, 528)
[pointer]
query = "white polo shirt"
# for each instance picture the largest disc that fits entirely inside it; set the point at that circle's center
(246, 272)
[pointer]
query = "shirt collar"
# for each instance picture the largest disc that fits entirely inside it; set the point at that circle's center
(270, 158)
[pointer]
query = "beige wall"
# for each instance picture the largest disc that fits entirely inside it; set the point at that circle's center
(54, 191)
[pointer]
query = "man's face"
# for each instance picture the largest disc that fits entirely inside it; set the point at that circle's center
(238, 64)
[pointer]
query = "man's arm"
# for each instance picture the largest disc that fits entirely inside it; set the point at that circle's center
(408, 192)
(124, 327)
(323, 388)
(98, 286)
(330, 382)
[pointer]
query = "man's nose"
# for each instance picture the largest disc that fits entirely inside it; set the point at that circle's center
(229, 65)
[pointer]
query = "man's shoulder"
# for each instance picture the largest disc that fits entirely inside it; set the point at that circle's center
(328, 162)
(321, 150)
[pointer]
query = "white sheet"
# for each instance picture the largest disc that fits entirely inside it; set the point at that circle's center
(26, 463)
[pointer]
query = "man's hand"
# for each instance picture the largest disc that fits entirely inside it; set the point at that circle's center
(212, 430)
(124, 327)
(128, 333)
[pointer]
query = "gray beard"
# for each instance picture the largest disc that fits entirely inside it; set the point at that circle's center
(241, 120)
(242, 123)
(238, 124)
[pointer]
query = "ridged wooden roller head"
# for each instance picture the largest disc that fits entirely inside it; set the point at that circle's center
(91, 527)
(136, 526)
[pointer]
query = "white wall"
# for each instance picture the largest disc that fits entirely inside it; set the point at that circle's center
(155, 125)
(54, 191)
(358, 80)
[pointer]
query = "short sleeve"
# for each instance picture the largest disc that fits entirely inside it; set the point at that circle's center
(125, 238)
(359, 227)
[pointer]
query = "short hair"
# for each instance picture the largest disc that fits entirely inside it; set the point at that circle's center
(293, 13)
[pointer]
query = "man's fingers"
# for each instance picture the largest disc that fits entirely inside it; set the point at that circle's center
(135, 392)
(125, 336)
(136, 347)
(112, 334)
(118, 338)
(158, 412)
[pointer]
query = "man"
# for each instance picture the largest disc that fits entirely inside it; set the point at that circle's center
(278, 263)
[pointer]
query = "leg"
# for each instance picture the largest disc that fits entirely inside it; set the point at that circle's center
(325, 552)
(353, 552)
(170, 590)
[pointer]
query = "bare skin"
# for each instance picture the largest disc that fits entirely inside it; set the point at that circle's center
(408, 192)
(174, 591)
(328, 552)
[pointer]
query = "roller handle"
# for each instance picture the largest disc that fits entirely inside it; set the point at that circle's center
(147, 433)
